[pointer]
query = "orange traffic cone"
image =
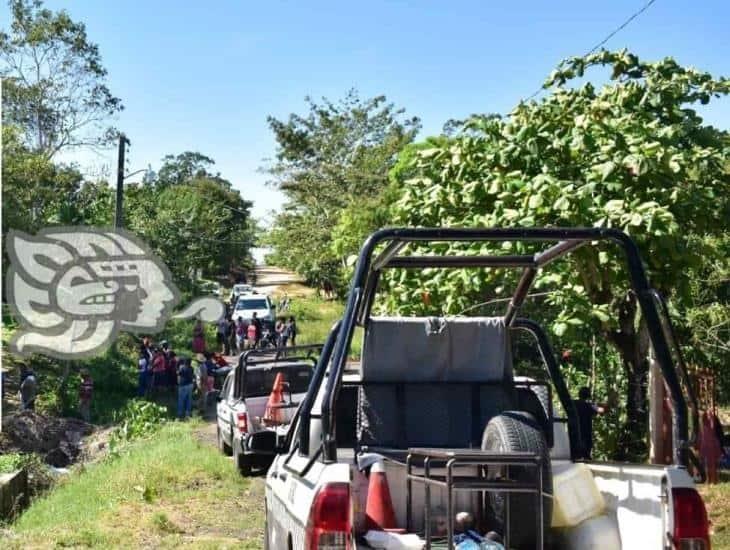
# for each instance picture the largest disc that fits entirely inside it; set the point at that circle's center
(379, 513)
(273, 412)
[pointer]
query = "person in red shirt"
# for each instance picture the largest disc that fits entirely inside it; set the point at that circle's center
(159, 371)
(86, 389)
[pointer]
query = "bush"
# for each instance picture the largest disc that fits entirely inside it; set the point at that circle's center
(138, 419)
(11, 462)
(39, 477)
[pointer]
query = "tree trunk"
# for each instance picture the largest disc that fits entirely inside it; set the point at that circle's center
(632, 343)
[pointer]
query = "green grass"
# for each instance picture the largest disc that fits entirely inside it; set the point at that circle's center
(717, 501)
(315, 317)
(170, 490)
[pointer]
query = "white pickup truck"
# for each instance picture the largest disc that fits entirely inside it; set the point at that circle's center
(436, 402)
(243, 399)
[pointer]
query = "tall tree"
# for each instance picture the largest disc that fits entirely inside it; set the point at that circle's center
(34, 189)
(331, 159)
(193, 220)
(178, 169)
(53, 80)
(632, 154)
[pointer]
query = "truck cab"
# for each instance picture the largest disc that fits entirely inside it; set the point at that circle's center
(436, 404)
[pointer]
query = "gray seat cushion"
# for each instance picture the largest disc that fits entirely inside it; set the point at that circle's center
(432, 382)
(428, 349)
(447, 415)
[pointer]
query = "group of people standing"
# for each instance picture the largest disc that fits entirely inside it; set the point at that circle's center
(239, 335)
(160, 368)
(157, 367)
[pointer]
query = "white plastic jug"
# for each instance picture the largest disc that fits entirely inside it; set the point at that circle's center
(575, 496)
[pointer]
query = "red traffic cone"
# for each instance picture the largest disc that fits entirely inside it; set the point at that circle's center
(273, 412)
(379, 513)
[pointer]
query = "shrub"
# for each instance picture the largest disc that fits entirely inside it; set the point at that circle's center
(138, 419)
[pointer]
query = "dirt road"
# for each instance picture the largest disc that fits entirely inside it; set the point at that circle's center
(275, 280)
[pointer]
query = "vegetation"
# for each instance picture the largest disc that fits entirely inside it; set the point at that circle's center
(315, 318)
(332, 164)
(54, 87)
(201, 224)
(717, 502)
(138, 419)
(167, 491)
(632, 155)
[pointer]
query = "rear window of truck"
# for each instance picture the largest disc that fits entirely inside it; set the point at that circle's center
(260, 382)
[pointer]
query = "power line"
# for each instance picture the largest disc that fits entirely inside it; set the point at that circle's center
(621, 27)
(608, 37)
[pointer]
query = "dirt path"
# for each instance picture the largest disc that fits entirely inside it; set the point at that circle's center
(275, 280)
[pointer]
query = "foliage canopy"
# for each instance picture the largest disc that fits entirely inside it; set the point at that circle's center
(54, 85)
(632, 154)
(333, 160)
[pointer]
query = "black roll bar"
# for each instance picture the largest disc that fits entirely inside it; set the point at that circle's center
(259, 357)
(362, 289)
(418, 262)
(523, 287)
(305, 408)
(548, 357)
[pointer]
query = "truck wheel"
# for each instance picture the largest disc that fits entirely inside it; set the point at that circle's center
(223, 446)
(516, 431)
(244, 466)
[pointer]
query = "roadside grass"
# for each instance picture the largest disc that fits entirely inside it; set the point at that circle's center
(717, 501)
(166, 491)
(315, 317)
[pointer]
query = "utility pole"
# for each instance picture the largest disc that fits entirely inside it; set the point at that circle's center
(119, 212)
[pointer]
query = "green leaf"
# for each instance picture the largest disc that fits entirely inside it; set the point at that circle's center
(559, 328)
(561, 204)
(600, 315)
(535, 201)
(606, 169)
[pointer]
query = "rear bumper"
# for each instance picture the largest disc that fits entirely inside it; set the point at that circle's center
(257, 459)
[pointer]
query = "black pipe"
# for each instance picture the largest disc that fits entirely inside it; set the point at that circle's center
(644, 294)
(461, 261)
(556, 251)
(332, 390)
(523, 287)
(305, 409)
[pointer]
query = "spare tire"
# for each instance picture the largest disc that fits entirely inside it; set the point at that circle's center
(517, 431)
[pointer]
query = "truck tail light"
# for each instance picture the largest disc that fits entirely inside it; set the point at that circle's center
(691, 527)
(329, 526)
(242, 422)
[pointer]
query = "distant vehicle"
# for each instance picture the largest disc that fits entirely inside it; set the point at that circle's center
(243, 399)
(249, 304)
(241, 289)
(212, 287)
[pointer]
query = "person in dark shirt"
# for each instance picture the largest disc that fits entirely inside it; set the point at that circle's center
(586, 411)
(186, 378)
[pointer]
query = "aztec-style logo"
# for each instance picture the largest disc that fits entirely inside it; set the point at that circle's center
(73, 289)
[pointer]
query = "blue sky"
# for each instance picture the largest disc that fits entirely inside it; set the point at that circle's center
(203, 76)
